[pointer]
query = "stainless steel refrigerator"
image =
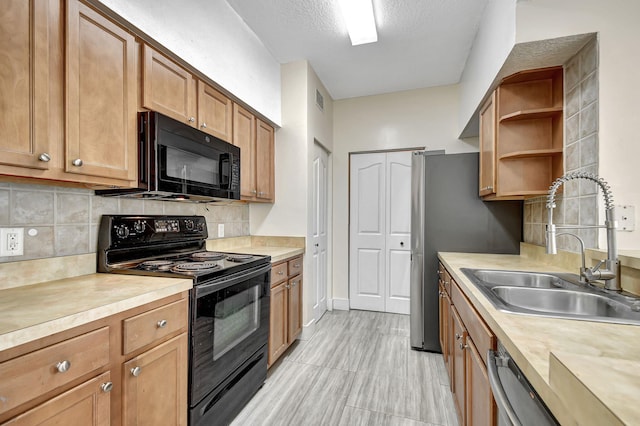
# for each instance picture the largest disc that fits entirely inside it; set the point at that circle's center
(448, 215)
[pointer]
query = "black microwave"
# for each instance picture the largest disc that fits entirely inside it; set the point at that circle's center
(179, 162)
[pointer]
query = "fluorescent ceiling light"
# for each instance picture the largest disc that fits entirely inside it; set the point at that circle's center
(360, 21)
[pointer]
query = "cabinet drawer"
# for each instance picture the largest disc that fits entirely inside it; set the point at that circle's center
(481, 335)
(295, 266)
(143, 329)
(278, 273)
(36, 373)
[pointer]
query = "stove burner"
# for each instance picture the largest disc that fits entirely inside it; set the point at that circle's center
(195, 266)
(207, 255)
(157, 265)
(239, 257)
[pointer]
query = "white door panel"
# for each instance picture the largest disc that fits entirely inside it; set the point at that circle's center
(379, 231)
(319, 230)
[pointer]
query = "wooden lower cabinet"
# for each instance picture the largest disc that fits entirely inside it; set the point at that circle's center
(84, 376)
(85, 404)
(285, 307)
(155, 385)
(465, 339)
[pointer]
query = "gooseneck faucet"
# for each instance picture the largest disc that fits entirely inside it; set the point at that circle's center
(611, 271)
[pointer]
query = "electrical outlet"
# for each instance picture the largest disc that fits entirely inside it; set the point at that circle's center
(11, 242)
(220, 230)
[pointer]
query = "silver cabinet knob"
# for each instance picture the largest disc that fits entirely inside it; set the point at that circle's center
(254, 191)
(44, 157)
(162, 323)
(280, 273)
(63, 366)
(136, 371)
(203, 125)
(106, 387)
(287, 286)
(77, 162)
(260, 193)
(296, 265)
(463, 346)
(294, 283)
(192, 119)
(458, 336)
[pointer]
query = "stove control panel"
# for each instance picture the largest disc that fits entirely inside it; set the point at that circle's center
(135, 230)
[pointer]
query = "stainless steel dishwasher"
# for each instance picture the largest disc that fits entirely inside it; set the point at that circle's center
(517, 401)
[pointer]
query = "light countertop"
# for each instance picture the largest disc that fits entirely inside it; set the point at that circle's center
(279, 248)
(586, 372)
(277, 253)
(33, 311)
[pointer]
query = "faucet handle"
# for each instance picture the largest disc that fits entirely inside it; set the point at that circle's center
(598, 265)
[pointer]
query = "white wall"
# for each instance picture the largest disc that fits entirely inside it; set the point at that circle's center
(410, 119)
(302, 123)
(616, 22)
(491, 47)
(216, 41)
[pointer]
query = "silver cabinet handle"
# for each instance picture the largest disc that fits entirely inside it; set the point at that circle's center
(203, 125)
(162, 323)
(463, 346)
(192, 119)
(44, 157)
(487, 188)
(287, 286)
(458, 336)
(77, 162)
(294, 283)
(254, 191)
(296, 265)
(280, 273)
(63, 366)
(136, 371)
(106, 387)
(260, 193)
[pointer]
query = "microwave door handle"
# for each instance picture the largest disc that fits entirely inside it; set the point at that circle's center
(203, 290)
(498, 390)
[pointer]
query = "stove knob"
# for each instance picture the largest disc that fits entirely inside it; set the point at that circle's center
(189, 224)
(122, 231)
(200, 226)
(139, 226)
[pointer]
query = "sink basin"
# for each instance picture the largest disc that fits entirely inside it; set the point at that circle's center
(553, 295)
(517, 278)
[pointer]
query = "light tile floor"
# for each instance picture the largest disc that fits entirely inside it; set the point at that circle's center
(357, 369)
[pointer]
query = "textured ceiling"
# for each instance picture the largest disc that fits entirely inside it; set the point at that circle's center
(421, 43)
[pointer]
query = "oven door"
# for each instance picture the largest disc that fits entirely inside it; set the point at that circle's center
(230, 323)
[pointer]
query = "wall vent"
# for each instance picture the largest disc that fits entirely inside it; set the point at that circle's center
(319, 100)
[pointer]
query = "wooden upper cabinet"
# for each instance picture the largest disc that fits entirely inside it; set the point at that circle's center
(256, 141)
(487, 147)
(264, 161)
(24, 86)
(215, 112)
(244, 128)
(101, 96)
(168, 88)
(529, 126)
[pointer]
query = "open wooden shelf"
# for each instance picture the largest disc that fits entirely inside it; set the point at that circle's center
(532, 114)
(532, 153)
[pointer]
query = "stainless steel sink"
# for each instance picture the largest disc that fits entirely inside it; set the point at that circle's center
(554, 295)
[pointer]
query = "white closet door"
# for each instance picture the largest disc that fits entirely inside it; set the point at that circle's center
(380, 231)
(319, 232)
(367, 232)
(398, 231)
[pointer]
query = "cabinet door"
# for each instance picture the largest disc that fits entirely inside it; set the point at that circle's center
(244, 127)
(264, 161)
(278, 322)
(480, 406)
(86, 404)
(295, 308)
(24, 86)
(215, 112)
(443, 304)
(458, 360)
(154, 385)
(167, 87)
(488, 147)
(101, 93)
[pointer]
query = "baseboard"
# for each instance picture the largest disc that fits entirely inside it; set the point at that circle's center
(308, 330)
(340, 304)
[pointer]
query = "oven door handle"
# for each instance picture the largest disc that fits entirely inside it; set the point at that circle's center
(222, 283)
(498, 390)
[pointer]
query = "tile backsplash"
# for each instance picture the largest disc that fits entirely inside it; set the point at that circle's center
(578, 203)
(65, 220)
